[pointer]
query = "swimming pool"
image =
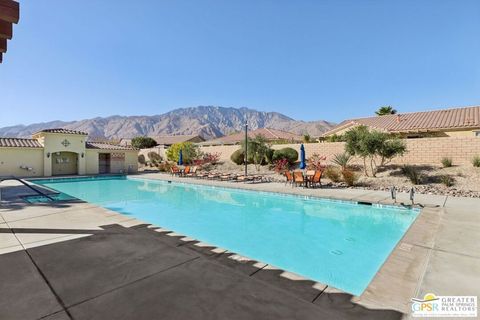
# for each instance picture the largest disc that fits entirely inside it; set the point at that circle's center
(339, 243)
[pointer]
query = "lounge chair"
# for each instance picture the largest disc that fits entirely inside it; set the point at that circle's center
(298, 178)
(175, 171)
(289, 177)
(192, 172)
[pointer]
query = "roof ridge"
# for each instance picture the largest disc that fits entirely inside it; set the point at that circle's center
(412, 112)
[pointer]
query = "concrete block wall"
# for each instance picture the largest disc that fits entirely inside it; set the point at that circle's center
(428, 151)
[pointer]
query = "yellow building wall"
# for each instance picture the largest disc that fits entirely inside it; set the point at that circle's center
(13, 159)
(465, 133)
(52, 143)
(130, 165)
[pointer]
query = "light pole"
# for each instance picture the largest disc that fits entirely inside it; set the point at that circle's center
(245, 156)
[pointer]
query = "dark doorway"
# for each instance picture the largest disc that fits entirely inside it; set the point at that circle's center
(104, 163)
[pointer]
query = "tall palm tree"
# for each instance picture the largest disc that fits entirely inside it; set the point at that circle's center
(385, 110)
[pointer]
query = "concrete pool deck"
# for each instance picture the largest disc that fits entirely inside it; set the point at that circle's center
(91, 262)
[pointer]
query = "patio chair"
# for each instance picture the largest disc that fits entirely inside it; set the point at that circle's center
(316, 180)
(186, 171)
(289, 177)
(298, 178)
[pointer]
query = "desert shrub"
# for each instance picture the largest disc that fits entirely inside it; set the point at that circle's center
(281, 165)
(447, 180)
(335, 138)
(373, 146)
(349, 177)
(446, 162)
(476, 161)
(154, 157)
(164, 166)
(238, 157)
(269, 156)
(190, 152)
(143, 142)
(332, 173)
(342, 159)
(413, 174)
(315, 162)
(286, 153)
(141, 159)
(307, 138)
(257, 150)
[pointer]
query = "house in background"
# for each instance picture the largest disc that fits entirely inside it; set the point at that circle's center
(53, 152)
(167, 141)
(271, 135)
(457, 122)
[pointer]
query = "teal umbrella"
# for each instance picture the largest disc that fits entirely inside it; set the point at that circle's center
(302, 157)
(180, 158)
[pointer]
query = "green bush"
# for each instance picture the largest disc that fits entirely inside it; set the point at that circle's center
(190, 152)
(446, 162)
(476, 161)
(154, 157)
(413, 174)
(269, 156)
(371, 145)
(447, 180)
(286, 153)
(342, 159)
(238, 157)
(143, 142)
(141, 159)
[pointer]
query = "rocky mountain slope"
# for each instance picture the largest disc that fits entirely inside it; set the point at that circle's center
(208, 121)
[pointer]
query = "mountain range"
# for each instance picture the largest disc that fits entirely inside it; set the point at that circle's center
(207, 121)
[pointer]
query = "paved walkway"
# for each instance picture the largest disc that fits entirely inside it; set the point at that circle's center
(81, 261)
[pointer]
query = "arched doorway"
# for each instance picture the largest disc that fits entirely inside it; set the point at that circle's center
(64, 163)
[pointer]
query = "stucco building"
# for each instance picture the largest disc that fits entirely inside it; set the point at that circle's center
(55, 152)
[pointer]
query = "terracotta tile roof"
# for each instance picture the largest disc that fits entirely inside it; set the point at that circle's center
(437, 120)
(64, 131)
(106, 146)
(19, 143)
(169, 140)
(269, 134)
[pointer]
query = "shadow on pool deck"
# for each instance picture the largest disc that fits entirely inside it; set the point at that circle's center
(138, 273)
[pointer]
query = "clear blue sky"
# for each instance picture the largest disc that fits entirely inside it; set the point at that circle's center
(309, 59)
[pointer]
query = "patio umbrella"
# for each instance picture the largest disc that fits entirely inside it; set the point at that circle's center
(302, 157)
(180, 158)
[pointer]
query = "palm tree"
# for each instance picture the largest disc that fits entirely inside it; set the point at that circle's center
(385, 110)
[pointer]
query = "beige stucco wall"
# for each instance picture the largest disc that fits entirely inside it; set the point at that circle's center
(464, 133)
(420, 151)
(12, 159)
(129, 165)
(40, 159)
(52, 143)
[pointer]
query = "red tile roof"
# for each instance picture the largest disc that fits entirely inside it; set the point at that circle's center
(64, 131)
(169, 140)
(438, 120)
(106, 146)
(269, 134)
(19, 143)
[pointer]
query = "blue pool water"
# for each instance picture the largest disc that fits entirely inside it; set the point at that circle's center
(342, 244)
